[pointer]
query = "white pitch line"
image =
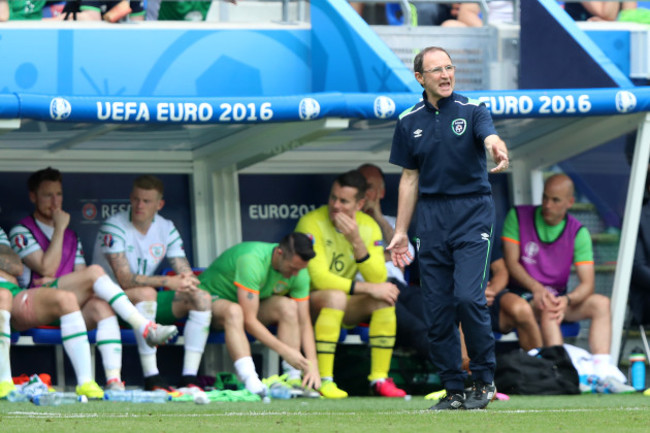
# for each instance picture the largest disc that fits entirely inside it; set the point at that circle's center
(22, 414)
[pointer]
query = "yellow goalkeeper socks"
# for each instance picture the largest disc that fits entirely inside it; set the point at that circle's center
(327, 331)
(383, 326)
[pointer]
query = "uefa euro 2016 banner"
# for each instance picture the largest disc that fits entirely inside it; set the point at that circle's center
(502, 104)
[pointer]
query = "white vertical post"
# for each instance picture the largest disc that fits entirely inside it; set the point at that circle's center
(629, 233)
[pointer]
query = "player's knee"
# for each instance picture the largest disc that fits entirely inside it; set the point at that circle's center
(288, 310)
(65, 302)
(522, 312)
(200, 300)
(98, 309)
(601, 305)
(5, 299)
(335, 299)
(141, 294)
(546, 317)
(233, 315)
(95, 272)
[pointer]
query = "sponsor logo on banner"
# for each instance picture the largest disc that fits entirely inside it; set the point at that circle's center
(384, 107)
(281, 211)
(95, 211)
(309, 109)
(60, 109)
(89, 211)
(625, 101)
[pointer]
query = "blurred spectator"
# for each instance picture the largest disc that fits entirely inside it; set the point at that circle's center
(21, 9)
(596, 10)
(357, 7)
(179, 10)
(422, 14)
(434, 14)
(109, 11)
(469, 14)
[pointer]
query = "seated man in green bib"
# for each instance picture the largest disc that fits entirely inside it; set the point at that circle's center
(255, 284)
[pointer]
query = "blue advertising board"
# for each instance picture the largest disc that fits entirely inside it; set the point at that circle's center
(270, 212)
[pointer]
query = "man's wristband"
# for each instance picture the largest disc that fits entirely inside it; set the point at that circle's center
(352, 287)
(568, 300)
(363, 259)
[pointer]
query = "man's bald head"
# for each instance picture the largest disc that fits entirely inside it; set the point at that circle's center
(557, 199)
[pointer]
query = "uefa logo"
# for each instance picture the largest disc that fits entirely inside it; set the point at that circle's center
(531, 249)
(625, 101)
(309, 109)
(384, 107)
(60, 109)
(89, 211)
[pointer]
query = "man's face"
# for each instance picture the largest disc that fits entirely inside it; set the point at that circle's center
(289, 267)
(47, 198)
(144, 204)
(556, 201)
(343, 200)
(437, 84)
(376, 190)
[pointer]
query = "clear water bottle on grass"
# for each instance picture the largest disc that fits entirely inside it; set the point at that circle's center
(117, 395)
(137, 396)
(57, 398)
(16, 396)
(279, 390)
(150, 396)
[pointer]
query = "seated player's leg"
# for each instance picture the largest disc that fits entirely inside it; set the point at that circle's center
(327, 306)
(228, 316)
(196, 306)
(411, 325)
(144, 299)
(6, 382)
(596, 308)
(41, 306)
(550, 328)
(283, 312)
(98, 314)
(516, 312)
(383, 327)
(93, 280)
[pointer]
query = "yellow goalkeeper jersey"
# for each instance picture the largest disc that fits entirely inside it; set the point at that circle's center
(334, 266)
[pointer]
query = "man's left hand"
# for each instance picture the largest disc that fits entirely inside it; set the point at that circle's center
(500, 159)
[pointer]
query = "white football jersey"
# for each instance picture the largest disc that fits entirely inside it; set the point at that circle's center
(144, 252)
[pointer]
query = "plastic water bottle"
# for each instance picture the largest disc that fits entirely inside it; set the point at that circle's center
(118, 395)
(280, 391)
(138, 396)
(17, 397)
(637, 369)
(150, 396)
(56, 398)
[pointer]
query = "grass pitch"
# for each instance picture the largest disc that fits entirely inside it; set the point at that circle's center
(571, 414)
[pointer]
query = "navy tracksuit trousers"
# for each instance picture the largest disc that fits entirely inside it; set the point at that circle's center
(454, 249)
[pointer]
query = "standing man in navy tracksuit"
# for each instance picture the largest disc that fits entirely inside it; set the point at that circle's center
(440, 143)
